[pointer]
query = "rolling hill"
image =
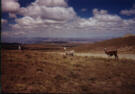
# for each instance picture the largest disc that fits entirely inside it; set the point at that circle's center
(123, 44)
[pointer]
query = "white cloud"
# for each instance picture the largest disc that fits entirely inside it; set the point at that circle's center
(53, 18)
(105, 23)
(12, 34)
(49, 9)
(96, 12)
(83, 9)
(10, 6)
(29, 21)
(12, 15)
(32, 24)
(100, 18)
(44, 16)
(4, 21)
(51, 3)
(128, 12)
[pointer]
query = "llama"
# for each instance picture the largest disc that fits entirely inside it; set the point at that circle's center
(70, 53)
(19, 47)
(111, 53)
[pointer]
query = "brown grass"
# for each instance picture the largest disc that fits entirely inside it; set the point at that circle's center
(123, 44)
(38, 71)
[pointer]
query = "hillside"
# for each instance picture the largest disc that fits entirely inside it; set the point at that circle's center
(118, 42)
(123, 44)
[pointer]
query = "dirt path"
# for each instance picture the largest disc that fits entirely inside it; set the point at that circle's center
(127, 56)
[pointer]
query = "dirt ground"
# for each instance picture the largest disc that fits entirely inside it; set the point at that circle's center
(103, 55)
(32, 71)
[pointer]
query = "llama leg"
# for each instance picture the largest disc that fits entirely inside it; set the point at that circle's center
(116, 57)
(108, 57)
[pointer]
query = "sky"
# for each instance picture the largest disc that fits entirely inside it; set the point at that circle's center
(67, 18)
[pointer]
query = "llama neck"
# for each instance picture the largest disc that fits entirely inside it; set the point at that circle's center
(65, 49)
(105, 51)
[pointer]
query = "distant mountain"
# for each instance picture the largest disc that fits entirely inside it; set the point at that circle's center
(37, 40)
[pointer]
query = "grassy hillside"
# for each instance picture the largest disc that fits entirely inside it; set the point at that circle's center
(118, 42)
(32, 71)
(122, 44)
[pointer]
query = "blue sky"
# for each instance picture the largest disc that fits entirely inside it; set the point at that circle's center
(67, 18)
(113, 6)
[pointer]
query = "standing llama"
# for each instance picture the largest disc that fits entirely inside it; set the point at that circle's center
(70, 53)
(19, 47)
(111, 53)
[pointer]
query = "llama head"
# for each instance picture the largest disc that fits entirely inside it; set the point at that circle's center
(105, 50)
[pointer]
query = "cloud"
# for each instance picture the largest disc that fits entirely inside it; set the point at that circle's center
(54, 18)
(12, 15)
(100, 18)
(83, 9)
(100, 24)
(29, 21)
(56, 13)
(43, 16)
(51, 3)
(4, 21)
(32, 24)
(10, 6)
(128, 12)
(96, 12)
(49, 9)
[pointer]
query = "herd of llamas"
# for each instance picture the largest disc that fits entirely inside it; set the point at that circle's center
(109, 53)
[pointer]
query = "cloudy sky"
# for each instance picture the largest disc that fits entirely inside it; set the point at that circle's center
(67, 18)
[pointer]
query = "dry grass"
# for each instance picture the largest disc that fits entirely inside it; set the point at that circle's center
(123, 44)
(38, 71)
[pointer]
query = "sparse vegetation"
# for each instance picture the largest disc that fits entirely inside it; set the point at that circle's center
(123, 44)
(31, 71)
